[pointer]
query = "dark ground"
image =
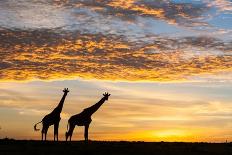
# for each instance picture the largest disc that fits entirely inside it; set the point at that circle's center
(16, 147)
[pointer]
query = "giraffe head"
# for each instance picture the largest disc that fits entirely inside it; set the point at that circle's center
(106, 96)
(66, 90)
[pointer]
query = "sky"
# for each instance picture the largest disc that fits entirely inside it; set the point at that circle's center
(167, 65)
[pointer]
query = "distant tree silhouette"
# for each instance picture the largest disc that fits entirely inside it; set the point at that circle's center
(52, 119)
(84, 118)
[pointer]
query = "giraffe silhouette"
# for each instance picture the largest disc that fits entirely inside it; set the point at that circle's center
(84, 118)
(52, 119)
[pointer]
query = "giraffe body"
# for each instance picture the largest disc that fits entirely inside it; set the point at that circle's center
(81, 119)
(84, 118)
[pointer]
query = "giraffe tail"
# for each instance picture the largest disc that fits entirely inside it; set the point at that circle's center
(36, 125)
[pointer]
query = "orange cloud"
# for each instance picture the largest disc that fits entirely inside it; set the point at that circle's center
(46, 55)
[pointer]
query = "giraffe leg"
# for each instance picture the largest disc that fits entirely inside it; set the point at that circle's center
(70, 132)
(45, 132)
(86, 132)
(42, 132)
(56, 127)
(57, 135)
(57, 132)
(66, 136)
(54, 134)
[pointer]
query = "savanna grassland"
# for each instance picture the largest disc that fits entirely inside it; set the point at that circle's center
(23, 147)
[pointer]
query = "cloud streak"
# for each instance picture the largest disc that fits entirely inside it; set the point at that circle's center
(223, 5)
(173, 13)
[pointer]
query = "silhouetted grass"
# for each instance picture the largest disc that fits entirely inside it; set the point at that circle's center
(23, 147)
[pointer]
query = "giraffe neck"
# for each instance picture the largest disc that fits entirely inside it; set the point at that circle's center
(96, 106)
(60, 105)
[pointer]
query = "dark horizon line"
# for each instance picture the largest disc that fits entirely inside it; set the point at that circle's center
(108, 141)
